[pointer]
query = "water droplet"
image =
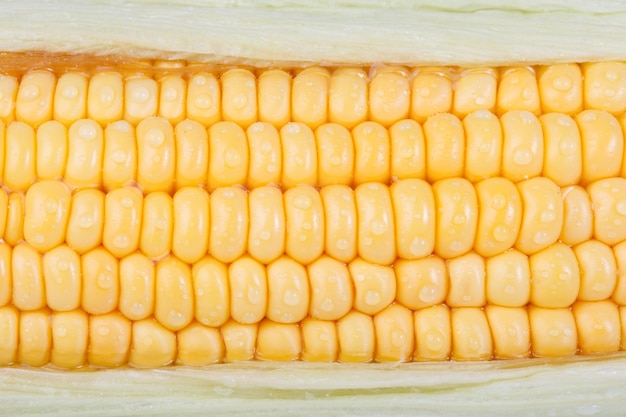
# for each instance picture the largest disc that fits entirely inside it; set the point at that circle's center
(176, 318)
(203, 101)
(70, 92)
(620, 207)
(253, 294)
(434, 340)
(155, 137)
(302, 202)
(240, 101)
(547, 216)
(170, 94)
(372, 297)
(609, 92)
(397, 338)
(342, 244)
(541, 237)
(459, 219)
(562, 83)
(232, 157)
(554, 332)
(104, 280)
(509, 289)
(62, 265)
(500, 233)
(291, 298)
(293, 128)
(137, 309)
(87, 131)
(103, 330)
(30, 92)
(121, 241)
(567, 146)
(377, 227)
(61, 331)
(522, 155)
(141, 94)
(428, 293)
(327, 305)
(417, 246)
(107, 96)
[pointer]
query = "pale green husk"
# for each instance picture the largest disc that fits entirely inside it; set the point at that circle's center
(270, 32)
(568, 388)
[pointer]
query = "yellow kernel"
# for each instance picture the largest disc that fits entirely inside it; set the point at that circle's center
(598, 270)
(357, 341)
(172, 98)
(304, 224)
(376, 226)
(510, 330)
(174, 299)
(6, 283)
(33, 104)
(542, 219)
(431, 93)
(122, 221)
(51, 150)
(433, 334)
(319, 340)
(562, 158)
(100, 281)
(483, 143)
(278, 341)
(239, 97)
(555, 277)
(157, 225)
(518, 90)
(578, 216)
(62, 278)
(152, 345)
(309, 97)
(199, 345)
(229, 224)
(155, 155)
(266, 157)
(598, 325)
(14, 230)
(70, 335)
(8, 94)
(471, 336)
(374, 286)
(421, 282)
(229, 156)
(372, 158)
(340, 225)
(248, 290)
(467, 281)
(46, 212)
(335, 155)
(619, 252)
(137, 286)
(239, 341)
(84, 154)
(395, 339)
(211, 292)
(605, 86)
(266, 233)
(105, 97)
(190, 234)
(141, 95)
(457, 217)
(348, 97)
(414, 217)
(274, 97)
(408, 150)
(522, 145)
(299, 155)
(389, 95)
(609, 209)
(204, 98)
(552, 332)
(109, 340)
(19, 156)
(445, 145)
(28, 283)
(86, 221)
(332, 291)
(288, 291)
(35, 338)
(508, 279)
(119, 163)
(561, 88)
(70, 98)
(192, 154)
(475, 89)
(499, 217)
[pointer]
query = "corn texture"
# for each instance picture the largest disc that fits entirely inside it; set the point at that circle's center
(196, 215)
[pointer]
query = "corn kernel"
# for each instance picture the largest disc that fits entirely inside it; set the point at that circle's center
(86, 221)
(414, 213)
(304, 224)
(555, 277)
(46, 213)
(266, 157)
(609, 209)
(522, 145)
(389, 95)
(35, 338)
(431, 92)
(274, 97)
(467, 281)
(598, 325)
(348, 97)
(174, 297)
(421, 282)
(62, 278)
(288, 291)
(475, 89)
(6, 277)
(9, 334)
(445, 146)
(137, 286)
(152, 345)
(561, 88)
(70, 335)
(51, 150)
(157, 225)
(299, 155)
(374, 286)
(518, 90)
(155, 155)
(248, 290)
(211, 292)
(319, 340)
(394, 332)
(335, 155)
(228, 159)
(433, 334)
(483, 144)
(508, 279)
(33, 104)
(471, 336)
(562, 155)
(309, 97)
(19, 156)
(119, 163)
(278, 341)
(408, 150)
(605, 86)
(357, 341)
(172, 98)
(190, 234)
(28, 283)
(105, 97)
(577, 216)
(239, 341)
(110, 337)
(332, 289)
(371, 153)
(510, 330)
(192, 154)
(100, 282)
(602, 143)
(204, 98)
(340, 216)
(199, 345)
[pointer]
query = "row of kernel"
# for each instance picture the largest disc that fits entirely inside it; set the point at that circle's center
(409, 219)
(313, 96)
(73, 339)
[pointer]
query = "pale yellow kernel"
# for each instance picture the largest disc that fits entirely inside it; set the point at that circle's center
(421, 282)
(508, 279)
(239, 341)
(172, 98)
(46, 213)
(605, 86)
(578, 216)
(467, 281)
(457, 217)
(288, 291)
(471, 336)
(475, 89)
(602, 145)
(34, 100)
(84, 154)
(395, 339)
(198, 345)
(374, 286)
(355, 333)
(239, 97)
(6, 284)
(190, 234)
(157, 225)
(248, 290)
(266, 234)
(35, 338)
(335, 155)
(304, 223)
(598, 325)
(408, 150)
(137, 286)
(299, 155)
(105, 97)
(274, 97)
(204, 98)
(445, 147)
(28, 282)
(119, 162)
(19, 156)
(522, 145)
(309, 97)
(598, 270)
(211, 290)
(483, 142)
(70, 98)
(192, 154)
(70, 334)
(86, 220)
(510, 330)
(109, 340)
(518, 90)
(555, 277)
(331, 289)
(229, 156)
(62, 278)
(389, 95)
(319, 340)
(155, 155)
(141, 95)
(8, 94)
(433, 334)
(174, 297)
(278, 341)
(609, 209)
(51, 150)
(348, 97)
(376, 241)
(229, 223)
(153, 345)
(266, 155)
(340, 216)
(414, 217)
(122, 221)
(431, 92)
(562, 149)
(372, 158)
(561, 88)
(619, 252)
(100, 282)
